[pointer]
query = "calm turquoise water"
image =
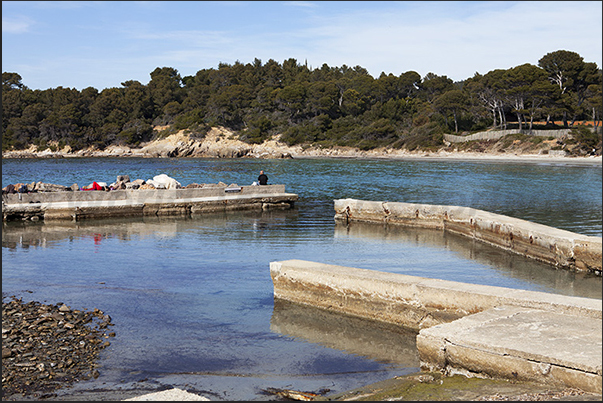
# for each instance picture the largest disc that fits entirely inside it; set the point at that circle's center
(191, 298)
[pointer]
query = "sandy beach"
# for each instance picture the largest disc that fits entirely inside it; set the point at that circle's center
(474, 156)
(291, 152)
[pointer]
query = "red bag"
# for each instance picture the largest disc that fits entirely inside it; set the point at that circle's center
(95, 186)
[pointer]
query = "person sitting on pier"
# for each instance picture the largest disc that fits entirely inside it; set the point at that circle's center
(262, 179)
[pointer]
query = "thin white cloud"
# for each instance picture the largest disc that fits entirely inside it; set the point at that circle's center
(63, 5)
(110, 42)
(16, 25)
(480, 39)
(185, 38)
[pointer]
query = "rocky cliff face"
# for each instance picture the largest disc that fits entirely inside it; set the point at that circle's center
(218, 143)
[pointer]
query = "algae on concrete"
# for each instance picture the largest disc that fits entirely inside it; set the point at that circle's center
(434, 386)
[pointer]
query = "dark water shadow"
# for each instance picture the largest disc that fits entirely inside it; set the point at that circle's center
(370, 339)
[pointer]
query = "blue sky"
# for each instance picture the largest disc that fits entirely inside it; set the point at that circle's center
(101, 44)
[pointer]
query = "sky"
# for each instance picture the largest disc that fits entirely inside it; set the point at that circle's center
(102, 44)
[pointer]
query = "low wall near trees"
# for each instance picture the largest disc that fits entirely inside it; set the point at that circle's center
(496, 134)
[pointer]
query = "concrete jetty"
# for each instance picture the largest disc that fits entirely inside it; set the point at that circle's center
(463, 328)
(554, 246)
(518, 344)
(78, 205)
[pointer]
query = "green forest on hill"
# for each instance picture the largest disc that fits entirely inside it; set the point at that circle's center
(327, 106)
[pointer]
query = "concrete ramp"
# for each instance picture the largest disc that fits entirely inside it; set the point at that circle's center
(518, 343)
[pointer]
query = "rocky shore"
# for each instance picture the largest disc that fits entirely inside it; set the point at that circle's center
(222, 143)
(46, 347)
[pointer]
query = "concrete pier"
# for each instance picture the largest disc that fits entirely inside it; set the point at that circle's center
(463, 328)
(517, 343)
(78, 205)
(410, 301)
(557, 247)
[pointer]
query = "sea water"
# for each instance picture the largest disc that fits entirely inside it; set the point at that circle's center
(191, 298)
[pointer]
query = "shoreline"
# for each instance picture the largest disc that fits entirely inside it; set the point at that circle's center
(417, 386)
(480, 157)
(403, 155)
(223, 143)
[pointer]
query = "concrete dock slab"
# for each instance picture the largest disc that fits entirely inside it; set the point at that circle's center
(518, 343)
(410, 301)
(468, 329)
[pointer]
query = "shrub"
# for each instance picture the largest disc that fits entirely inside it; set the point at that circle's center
(189, 119)
(585, 137)
(428, 136)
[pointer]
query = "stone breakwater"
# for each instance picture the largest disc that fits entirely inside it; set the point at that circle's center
(160, 196)
(122, 182)
(48, 346)
(554, 246)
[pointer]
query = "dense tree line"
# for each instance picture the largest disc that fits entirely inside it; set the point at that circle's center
(324, 106)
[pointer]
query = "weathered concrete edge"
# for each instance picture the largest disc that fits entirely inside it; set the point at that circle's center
(547, 244)
(472, 362)
(455, 334)
(445, 349)
(413, 302)
(147, 203)
(174, 394)
(139, 194)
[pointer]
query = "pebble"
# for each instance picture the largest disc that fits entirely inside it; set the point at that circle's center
(46, 347)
